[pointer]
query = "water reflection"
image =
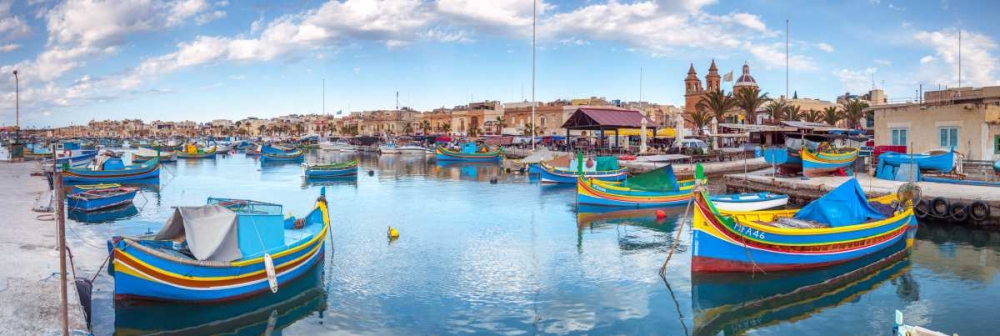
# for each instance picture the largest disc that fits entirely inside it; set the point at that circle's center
(333, 181)
(734, 303)
(591, 218)
(467, 171)
(266, 314)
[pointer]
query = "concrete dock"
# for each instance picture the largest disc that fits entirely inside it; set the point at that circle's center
(802, 190)
(29, 278)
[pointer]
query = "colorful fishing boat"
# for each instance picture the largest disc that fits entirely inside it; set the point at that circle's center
(145, 154)
(103, 216)
(349, 168)
(113, 170)
(226, 250)
(824, 162)
(838, 227)
(943, 162)
(191, 151)
(656, 188)
(749, 201)
(469, 152)
(253, 150)
(270, 153)
(99, 199)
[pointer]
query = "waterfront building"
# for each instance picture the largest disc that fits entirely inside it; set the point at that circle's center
(966, 119)
(694, 92)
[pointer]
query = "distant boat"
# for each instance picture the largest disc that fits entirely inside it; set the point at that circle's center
(389, 148)
(349, 168)
(340, 145)
(469, 152)
(146, 154)
(192, 151)
(270, 153)
(226, 250)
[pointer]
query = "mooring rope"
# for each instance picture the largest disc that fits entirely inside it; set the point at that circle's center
(677, 239)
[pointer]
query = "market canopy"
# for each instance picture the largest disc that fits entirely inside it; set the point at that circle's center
(590, 118)
(663, 132)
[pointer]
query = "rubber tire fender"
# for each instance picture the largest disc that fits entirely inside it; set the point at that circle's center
(922, 209)
(958, 212)
(976, 208)
(939, 207)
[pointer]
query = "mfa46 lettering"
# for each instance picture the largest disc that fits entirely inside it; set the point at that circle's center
(749, 231)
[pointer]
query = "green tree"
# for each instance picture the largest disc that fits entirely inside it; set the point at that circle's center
(792, 113)
(446, 127)
(831, 115)
(749, 99)
(408, 128)
(530, 128)
(853, 110)
(776, 109)
(718, 103)
(813, 116)
(425, 126)
(500, 124)
(700, 118)
(473, 132)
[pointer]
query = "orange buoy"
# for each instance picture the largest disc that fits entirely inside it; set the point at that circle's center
(661, 214)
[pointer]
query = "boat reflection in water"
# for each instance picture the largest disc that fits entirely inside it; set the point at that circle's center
(329, 181)
(734, 303)
(467, 171)
(260, 315)
(590, 217)
(104, 216)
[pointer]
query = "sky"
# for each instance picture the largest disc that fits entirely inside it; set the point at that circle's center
(200, 60)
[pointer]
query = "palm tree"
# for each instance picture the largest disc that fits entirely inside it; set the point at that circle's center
(425, 126)
(700, 118)
(813, 116)
(529, 128)
(776, 109)
(500, 125)
(261, 129)
(408, 128)
(831, 115)
(793, 113)
(749, 99)
(299, 129)
(853, 110)
(446, 128)
(473, 132)
(718, 103)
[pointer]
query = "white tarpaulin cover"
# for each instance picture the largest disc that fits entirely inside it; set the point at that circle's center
(210, 232)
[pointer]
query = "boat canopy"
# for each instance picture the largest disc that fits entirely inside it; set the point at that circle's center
(210, 232)
(843, 206)
(659, 179)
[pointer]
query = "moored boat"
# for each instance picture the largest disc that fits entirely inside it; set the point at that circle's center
(838, 227)
(656, 188)
(749, 201)
(145, 154)
(469, 152)
(113, 170)
(100, 198)
(191, 151)
(824, 162)
(339, 145)
(567, 170)
(226, 250)
(269, 153)
(349, 168)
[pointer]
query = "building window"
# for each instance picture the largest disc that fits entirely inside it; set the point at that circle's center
(996, 144)
(948, 137)
(899, 136)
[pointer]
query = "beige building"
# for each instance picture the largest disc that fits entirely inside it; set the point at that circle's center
(967, 119)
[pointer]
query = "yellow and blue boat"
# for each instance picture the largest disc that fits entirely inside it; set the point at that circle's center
(275, 154)
(825, 162)
(113, 170)
(656, 188)
(838, 227)
(349, 168)
(191, 151)
(226, 250)
(470, 152)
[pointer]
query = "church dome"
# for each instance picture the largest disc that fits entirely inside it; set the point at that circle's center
(745, 79)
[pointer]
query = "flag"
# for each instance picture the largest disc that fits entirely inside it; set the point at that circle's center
(728, 77)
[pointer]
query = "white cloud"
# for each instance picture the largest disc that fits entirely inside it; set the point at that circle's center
(927, 59)
(357, 70)
(883, 62)
(181, 10)
(238, 77)
(9, 47)
(977, 54)
(897, 8)
(209, 17)
(494, 16)
(11, 26)
(750, 21)
(824, 47)
(441, 35)
(855, 80)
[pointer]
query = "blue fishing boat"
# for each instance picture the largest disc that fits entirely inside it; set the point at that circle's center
(225, 250)
(103, 216)
(889, 164)
(349, 168)
(656, 188)
(469, 152)
(271, 153)
(113, 170)
(566, 170)
(97, 199)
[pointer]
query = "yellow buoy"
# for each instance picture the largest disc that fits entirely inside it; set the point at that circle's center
(393, 233)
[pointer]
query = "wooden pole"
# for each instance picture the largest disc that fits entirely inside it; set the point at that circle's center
(57, 182)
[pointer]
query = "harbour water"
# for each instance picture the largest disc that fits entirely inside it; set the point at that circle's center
(517, 257)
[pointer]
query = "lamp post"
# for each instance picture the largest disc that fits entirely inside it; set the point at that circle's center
(17, 106)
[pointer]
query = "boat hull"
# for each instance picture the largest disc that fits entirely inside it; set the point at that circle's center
(87, 205)
(749, 202)
(555, 175)
(820, 164)
(442, 154)
(146, 170)
(724, 244)
(594, 193)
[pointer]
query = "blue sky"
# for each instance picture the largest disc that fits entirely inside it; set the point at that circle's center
(206, 59)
